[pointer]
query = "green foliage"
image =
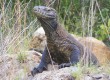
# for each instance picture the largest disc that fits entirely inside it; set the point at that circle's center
(82, 70)
(103, 31)
(78, 74)
(70, 13)
(17, 14)
(22, 57)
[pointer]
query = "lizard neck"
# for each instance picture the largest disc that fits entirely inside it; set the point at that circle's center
(53, 30)
(49, 26)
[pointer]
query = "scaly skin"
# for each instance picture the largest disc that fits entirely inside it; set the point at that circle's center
(63, 48)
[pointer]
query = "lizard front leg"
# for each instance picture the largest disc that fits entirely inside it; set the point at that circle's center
(74, 57)
(45, 60)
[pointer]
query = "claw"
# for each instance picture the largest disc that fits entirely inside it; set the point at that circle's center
(37, 70)
(64, 65)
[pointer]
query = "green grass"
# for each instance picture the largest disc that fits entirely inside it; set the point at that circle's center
(22, 57)
(84, 71)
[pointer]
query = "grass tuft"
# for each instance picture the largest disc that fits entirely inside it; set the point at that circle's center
(22, 57)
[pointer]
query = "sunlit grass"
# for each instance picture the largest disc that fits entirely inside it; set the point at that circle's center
(83, 71)
(16, 27)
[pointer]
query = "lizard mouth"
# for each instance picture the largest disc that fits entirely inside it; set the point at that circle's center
(41, 13)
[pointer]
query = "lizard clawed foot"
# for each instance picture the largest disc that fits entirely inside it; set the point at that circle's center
(64, 65)
(37, 70)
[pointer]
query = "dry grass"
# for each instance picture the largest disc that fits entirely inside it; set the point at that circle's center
(15, 32)
(15, 26)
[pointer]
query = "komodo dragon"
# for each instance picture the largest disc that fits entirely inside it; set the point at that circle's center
(63, 48)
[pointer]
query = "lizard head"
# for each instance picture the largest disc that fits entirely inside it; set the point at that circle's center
(45, 12)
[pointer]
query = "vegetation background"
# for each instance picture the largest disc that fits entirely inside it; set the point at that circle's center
(80, 17)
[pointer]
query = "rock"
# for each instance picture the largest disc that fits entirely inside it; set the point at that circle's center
(61, 74)
(38, 40)
(39, 32)
(12, 69)
(100, 50)
(86, 78)
(100, 76)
